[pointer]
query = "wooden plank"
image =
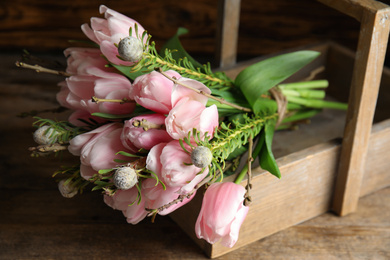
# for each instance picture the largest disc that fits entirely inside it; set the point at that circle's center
(265, 26)
(363, 95)
(353, 8)
(376, 170)
(227, 32)
(304, 192)
(85, 227)
(362, 235)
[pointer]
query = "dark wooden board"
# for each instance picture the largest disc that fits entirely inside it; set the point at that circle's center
(36, 222)
(265, 26)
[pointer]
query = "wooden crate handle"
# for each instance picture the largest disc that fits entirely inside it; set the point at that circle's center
(227, 32)
(373, 37)
(374, 32)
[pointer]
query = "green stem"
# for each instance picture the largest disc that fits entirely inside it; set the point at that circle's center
(317, 94)
(300, 115)
(305, 85)
(244, 170)
(315, 103)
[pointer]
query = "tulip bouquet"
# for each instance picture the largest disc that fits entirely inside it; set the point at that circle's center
(151, 128)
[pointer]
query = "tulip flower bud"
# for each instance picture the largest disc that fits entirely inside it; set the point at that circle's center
(125, 178)
(67, 190)
(130, 49)
(44, 135)
(201, 156)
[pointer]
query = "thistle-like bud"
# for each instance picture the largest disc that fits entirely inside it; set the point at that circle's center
(67, 190)
(125, 178)
(45, 135)
(130, 49)
(201, 156)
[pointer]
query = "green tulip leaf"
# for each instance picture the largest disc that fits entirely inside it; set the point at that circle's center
(266, 158)
(258, 78)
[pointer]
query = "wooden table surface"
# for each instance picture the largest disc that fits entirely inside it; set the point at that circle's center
(37, 223)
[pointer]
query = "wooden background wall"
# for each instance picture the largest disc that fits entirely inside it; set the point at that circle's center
(266, 26)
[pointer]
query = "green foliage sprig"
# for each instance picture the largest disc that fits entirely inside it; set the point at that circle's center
(236, 134)
(184, 66)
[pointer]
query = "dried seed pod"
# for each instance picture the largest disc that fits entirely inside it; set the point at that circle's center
(67, 190)
(201, 156)
(125, 178)
(130, 49)
(45, 135)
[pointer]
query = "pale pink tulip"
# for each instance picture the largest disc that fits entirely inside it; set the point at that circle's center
(81, 60)
(155, 196)
(98, 147)
(150, 131)
(179, 91)
(222, 213)
(91, 77)
(153, 91)
(87, 172)
(189, 114)
(84, 118)
(126, 201)
(172, 164)
(76, 92)
(108, 31)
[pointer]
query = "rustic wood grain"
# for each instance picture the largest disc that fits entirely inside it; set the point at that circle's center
(227, 32)
(308, 196)
(265, 26)
(36, 222)
(364, 90)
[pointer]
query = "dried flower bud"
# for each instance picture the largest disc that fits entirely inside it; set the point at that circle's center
(125, 178)
(201, 156)
(67, 190)
(130, 49)
(45, 135)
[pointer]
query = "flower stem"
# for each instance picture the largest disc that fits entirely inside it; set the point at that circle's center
(317, 103)
(39, 69)
(245, 170)
(305, 85)
(122, 101)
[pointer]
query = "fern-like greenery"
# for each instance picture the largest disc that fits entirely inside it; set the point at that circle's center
(152, 60)
(63, 131)
(236, 134)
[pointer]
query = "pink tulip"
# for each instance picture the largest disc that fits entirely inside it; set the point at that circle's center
(81, 60)
(155, 196)
(98, 148)
(108, 31)
(87, 172)
(90, 77)
(149, 132)
(126, 201)
(180, 92)
(189, 114)
(171, 163)
(153, 91)
(221, 214)
(77, 90)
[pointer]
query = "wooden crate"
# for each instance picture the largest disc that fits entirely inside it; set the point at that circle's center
(320, 170)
